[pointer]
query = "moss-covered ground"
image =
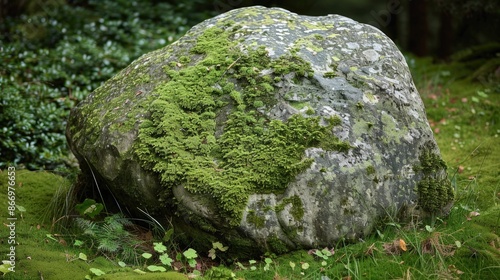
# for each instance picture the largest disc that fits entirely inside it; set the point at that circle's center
(465, 116)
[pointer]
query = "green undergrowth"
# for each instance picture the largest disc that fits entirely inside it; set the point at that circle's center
(43, 249)
(52, 58)
(226, 90)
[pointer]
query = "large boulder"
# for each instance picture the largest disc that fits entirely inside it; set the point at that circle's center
(265, 130)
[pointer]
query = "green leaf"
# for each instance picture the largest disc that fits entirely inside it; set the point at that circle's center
(82, 256)
(192, 263)
(89, 207)
(482, 94)
(305, 266)
(138, 271)
(156, 268)
(458, 244)
(97, 271)
(78, 243)
(159, 247)
(4, 267)
(168, 234)
(429, 228)
(166, 260)
(326, 252)
(122, 264)
(146, 255)
(240, 265)
(323, 263)
(20, 208)
(190, 253)
(51, 237)
(292, 265)
(211, 254)
(319, 254)
(218, 245)
(268, 262)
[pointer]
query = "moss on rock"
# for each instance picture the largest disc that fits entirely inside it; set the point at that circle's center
(255, 219)
(434, 189)
(297, 210)
(276, 245)
(222, 89)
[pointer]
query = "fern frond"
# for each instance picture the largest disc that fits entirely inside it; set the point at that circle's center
(129, 254)
(123, 220)
(88, 227)
(109, 245)
(117, 221)
(111, 236)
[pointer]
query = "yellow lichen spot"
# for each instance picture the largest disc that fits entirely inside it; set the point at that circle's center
(369, 97)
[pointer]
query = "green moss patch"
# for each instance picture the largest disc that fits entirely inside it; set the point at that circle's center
(276, 245)
(39, 252)
(223, 87)
(257, 220)
(297, 210)
(434, 190)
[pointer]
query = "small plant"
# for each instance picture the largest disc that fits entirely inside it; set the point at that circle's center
(190, 255)
(164, 257)
(220, 273)
(268, 262)
(94, 272)
(111, 236)
(89, 208)
(6, 267)
(216, 246)
(251, 265)
(324, 253)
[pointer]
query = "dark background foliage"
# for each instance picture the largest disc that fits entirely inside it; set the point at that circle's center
(53, 53)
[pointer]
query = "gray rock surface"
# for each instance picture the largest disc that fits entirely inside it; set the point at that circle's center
(265, 130)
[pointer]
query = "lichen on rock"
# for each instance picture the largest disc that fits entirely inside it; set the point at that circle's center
(265, 130)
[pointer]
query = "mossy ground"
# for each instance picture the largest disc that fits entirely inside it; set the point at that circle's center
(43, 251)
(37, 254)
(465, 118)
